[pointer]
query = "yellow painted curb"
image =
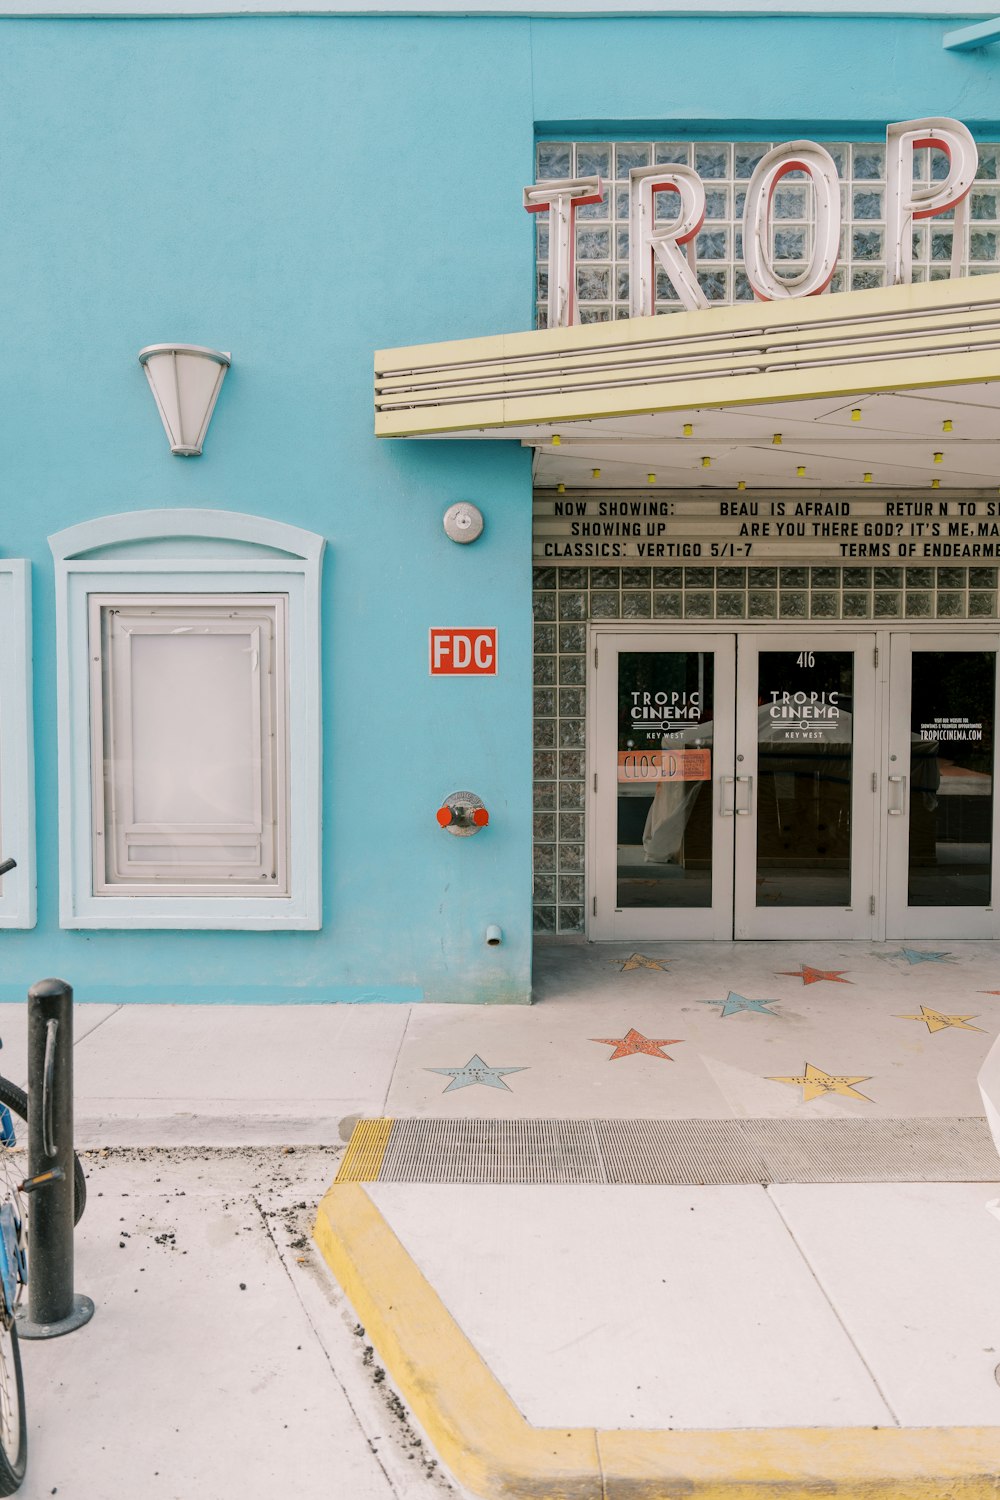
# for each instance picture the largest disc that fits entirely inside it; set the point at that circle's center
(464, 1410)
(490, 1448)
(365, 1152)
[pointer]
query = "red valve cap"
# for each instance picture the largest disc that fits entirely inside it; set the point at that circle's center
(444, 816)
(480, 817)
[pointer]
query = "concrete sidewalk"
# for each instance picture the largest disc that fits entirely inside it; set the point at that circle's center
(225, 1360)
(737, 1017)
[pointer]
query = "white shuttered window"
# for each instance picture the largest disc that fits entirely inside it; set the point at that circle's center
(189, 718)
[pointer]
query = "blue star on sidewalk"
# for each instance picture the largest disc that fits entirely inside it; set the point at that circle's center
(475, 1071)
(734, 1003)
(915, 956)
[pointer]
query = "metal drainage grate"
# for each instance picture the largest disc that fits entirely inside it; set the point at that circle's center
(953, 1149)
(493, 1151)
(679, 1152)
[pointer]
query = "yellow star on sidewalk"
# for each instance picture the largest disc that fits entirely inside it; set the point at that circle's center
(815, 1083)
(640, 961)
(936, 1021)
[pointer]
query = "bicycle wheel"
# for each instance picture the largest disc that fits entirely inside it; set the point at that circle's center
(17, 1100)
(13, 1425)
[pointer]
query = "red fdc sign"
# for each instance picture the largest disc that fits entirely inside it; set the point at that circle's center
(463, 653)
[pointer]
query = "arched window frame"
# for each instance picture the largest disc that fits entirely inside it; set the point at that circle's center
(191, 553)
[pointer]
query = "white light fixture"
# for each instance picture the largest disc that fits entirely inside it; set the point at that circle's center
(185, 380)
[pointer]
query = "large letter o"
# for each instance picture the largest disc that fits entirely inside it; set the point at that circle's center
(793, 156)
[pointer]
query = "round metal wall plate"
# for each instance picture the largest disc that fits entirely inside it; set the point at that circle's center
(463, 522)
(468, 802)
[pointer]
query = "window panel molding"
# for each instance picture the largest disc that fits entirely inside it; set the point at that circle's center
(17, 780)
(249, 559)
(143, 845)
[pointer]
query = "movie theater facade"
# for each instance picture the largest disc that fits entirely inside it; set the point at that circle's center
(653, 592)
(765, 531)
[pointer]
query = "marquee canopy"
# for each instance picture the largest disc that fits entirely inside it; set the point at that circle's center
(896, 387)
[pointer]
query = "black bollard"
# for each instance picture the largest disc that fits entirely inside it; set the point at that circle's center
(53, 1307)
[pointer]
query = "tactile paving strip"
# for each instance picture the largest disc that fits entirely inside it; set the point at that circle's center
(685, 1152)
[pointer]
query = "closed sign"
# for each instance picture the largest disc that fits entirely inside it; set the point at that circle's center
(463, 653)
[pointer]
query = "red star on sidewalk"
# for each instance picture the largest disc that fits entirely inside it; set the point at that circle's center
(634, 1041)
(812, 976)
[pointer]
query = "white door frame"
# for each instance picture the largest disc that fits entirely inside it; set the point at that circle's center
(858, 919)
(641, 635)
(605, 920)
(902, 920)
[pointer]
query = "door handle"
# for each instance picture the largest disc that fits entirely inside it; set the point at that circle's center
(744, 812)
(725, 810)
(900, 781)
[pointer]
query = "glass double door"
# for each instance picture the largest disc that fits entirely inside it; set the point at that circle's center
(775, 785)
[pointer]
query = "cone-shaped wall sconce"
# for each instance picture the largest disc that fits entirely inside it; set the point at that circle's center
(185, 380)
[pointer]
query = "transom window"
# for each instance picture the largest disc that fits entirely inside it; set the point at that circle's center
(602, 229)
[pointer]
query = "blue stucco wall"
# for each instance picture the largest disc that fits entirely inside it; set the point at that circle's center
(303, 191)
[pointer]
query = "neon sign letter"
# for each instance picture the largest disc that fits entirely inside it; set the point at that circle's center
(793, 156)
(907, 200)
(562, 198)
(650, 242)
(670, 246)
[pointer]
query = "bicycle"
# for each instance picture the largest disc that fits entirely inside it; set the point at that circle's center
(14, 1271)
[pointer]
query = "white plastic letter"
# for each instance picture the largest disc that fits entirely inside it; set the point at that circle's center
(818, 164)
(562, 198)
(442, 648)
(650, 242)
(462, 654)
(907, 200)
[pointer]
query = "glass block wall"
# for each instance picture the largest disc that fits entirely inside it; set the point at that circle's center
(566, 598)
(603, 228)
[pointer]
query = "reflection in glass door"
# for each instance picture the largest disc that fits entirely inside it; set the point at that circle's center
(806, 801)
(664, 748)
(940, 805)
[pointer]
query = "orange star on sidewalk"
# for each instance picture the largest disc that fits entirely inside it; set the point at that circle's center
(815, 1082)
(937, 1021)
(634, 1041)
(813, 976)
